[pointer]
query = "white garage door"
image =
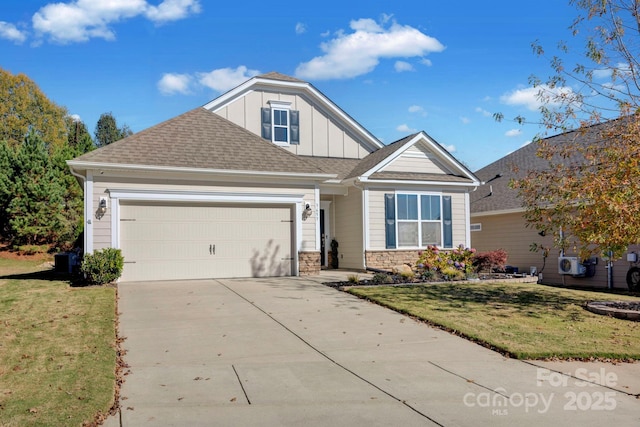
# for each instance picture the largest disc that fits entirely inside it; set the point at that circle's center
(178, 241)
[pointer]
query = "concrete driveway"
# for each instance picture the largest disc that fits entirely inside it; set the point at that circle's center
(291, 352)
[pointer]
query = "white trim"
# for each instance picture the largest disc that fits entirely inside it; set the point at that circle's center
(115, 166)
(279, 105)
(365, 219)
(476, 226)
(293, 200)
(88, 213)
(321, 101)
(419, 220)
(366, 180)
(467, 220)
(444, 156)
(316, 209)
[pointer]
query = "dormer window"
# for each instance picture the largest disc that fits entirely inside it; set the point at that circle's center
(280, 124)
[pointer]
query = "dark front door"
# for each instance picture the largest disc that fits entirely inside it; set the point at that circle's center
(323, 260)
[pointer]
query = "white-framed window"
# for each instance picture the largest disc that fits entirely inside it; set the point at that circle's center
(280, 124)
(476, 227)
(419, 220)
(416, 220)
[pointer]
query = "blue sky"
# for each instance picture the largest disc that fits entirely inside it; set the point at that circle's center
(395, 67)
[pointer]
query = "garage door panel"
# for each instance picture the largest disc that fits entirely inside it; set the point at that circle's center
(179, 241)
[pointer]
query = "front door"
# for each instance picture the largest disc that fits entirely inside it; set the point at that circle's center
(323, 241)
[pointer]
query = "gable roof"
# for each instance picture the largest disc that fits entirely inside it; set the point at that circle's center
(199, 140)
(371, 167)
(495, 194)
(281, 82)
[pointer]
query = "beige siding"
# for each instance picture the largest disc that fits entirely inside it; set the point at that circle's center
(508, 232)
(377, 221)
(102, 226)
(320, 135)
(416, 159)
(348, 229)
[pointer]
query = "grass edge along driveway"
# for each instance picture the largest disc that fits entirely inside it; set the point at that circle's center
(57, 348)
(523, 320)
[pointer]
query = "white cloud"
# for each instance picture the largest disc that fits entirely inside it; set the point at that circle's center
(223, 79)
(531, 97)
(427, 62)
(405, 129)
(220, 80)
(75, 117)
(301, 28)
(11, 32)
(513, 132)
(359, 52)
(401, 66)
(172, 83)
(483, 112)
(416, 109)
(172, 10)
(81, 20)
(450, 148)
(465, 120)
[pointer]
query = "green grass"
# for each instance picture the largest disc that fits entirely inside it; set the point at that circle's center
(527, 321)
(57, 348)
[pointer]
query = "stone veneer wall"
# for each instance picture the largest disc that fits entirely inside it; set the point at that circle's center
(309, 263)
(385, 260)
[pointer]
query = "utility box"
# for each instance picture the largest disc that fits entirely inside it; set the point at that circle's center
(65, 261)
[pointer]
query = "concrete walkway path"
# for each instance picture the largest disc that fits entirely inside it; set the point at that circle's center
(293, 352)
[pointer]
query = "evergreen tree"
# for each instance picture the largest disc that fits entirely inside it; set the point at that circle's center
(107, 130)
(36, 212)
(7, 163)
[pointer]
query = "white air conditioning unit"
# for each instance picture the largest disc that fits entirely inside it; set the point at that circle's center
(570, 265)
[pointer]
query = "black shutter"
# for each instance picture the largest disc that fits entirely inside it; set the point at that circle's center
(447, 220)
(294, 120)
(390, 220)
(266, 123)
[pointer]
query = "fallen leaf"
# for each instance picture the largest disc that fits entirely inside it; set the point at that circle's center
(33, 410)
(197, 378)
(233, 399)
(180, 398)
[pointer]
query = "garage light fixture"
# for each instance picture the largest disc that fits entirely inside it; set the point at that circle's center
(102, 207)
(307, 211)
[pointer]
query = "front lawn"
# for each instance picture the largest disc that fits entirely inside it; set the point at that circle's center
(527, 321)
(57, 348)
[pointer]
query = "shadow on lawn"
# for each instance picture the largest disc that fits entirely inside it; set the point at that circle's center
(50, 275)
(457, 296)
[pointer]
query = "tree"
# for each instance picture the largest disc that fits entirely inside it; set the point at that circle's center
(25, 109)
(107, 130)
(36, 211)
(588, 195)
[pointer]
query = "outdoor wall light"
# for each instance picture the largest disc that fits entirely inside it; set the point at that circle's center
(307, 211)
(102, 206)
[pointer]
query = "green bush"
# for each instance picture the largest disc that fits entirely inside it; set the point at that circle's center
(102, 267)
(381, 278)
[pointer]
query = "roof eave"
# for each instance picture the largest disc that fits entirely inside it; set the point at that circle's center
(366, 180)
(83, 166)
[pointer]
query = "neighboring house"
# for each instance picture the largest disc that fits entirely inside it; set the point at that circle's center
(259, 181)
(497, 220)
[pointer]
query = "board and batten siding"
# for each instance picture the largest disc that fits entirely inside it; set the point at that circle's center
(348, 229)
(416, 159)
(102, 226)
(319, 134)
(377, 218)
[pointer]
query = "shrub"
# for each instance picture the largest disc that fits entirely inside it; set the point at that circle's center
(491, 260)
(454, 264)
(353, 278)
(103, 267)
(381, 278)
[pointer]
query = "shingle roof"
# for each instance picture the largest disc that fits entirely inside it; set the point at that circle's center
(341, 167)
(200, 139)
(377, 156)
(495, 194)
(416, 176)
(273, 75)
